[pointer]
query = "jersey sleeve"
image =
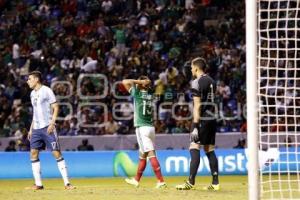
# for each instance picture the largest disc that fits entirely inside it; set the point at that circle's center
(196, 88)
(51, 96)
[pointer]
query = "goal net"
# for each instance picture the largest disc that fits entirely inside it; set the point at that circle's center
(277, 79)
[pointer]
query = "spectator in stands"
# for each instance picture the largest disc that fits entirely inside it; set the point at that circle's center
(85, 146)
(107, 6)
(288, 142)
(278, 125)
(11, 146)
(224, 91)
(146, 37)
(23, 142)
(111, 127)
(243, 128)
(180, 127)
(172, 74)
(241, 144)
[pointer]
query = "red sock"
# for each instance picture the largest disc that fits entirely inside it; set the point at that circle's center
(156, 168)
(141, 168)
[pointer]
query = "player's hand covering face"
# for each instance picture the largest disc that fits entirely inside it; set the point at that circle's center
(146, 83)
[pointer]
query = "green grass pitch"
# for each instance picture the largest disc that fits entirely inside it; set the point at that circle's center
(232, 188)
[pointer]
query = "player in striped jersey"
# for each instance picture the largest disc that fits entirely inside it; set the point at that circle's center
(145, 131)
(42, 131)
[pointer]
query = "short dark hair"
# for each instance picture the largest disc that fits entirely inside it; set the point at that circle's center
(36, 74)
(199, 62)
(143, 77)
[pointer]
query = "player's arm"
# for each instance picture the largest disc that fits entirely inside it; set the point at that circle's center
(54, 108)
(196, 109)
(128, 83)
(196, 91)
(194, 135)
(30, 131)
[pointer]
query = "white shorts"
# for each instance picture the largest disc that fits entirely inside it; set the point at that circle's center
(145, 138)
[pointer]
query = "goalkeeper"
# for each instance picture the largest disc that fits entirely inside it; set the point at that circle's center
(203, 130)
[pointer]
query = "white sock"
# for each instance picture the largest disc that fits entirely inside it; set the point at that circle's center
(36, 170)
(63, 170)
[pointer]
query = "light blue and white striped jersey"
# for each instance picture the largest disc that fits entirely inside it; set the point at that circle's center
(41, 101)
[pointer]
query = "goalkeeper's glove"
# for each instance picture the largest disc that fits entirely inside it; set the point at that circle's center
(194, 135)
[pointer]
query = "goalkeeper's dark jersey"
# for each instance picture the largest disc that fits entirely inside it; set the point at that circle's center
(205, 87)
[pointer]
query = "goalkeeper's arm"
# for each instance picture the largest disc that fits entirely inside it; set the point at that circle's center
(194, 135)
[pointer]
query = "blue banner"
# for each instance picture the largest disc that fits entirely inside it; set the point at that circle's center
(124, 163)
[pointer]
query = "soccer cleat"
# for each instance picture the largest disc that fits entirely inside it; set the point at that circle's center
(70, 187)
(132, 181)
(161, 185)
(212, 187)
(35, 187)
(185, 186)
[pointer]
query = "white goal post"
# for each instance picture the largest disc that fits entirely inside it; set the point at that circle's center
(273, 98)
(251, 85)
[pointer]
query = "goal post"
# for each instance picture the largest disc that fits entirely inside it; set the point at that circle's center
(273, 98)
(251, 85)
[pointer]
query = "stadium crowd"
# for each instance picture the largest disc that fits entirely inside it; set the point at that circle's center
(119, 39)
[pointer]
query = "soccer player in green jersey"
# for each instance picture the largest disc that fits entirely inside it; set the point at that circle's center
(145, 131)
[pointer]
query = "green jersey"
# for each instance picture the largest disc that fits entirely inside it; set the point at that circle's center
(143, 104)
